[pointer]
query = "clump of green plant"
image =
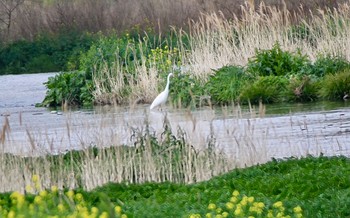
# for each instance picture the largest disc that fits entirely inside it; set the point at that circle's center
(69, 88)
(266, 89)
(276, 62)
(302, 89)
(187, 91)
(225, 85)
(326, 64)
(335, 86)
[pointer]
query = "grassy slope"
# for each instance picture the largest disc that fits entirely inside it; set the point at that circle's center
(321, 186)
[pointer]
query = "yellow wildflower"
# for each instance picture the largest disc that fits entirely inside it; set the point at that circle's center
(279, 215)
(29, 189)
(229, 205)
(37, 200)
(118, 209)
(79, 197)
(260, 205)
(35, 178)
(218, 210)
(70, 194)
(104, 215)
(208, 215)
(233, 200)
(269, 214)
(238, 211)
(94, 210)
(250, 199)
(235, 193)
(278, 204)
(11, 214)
(123, 216)
(225, 214)
(43, 193)
(297, 209)
(54, 189)
(218, 216)
(211, 206)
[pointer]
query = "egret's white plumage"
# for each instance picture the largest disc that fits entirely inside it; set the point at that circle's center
(163, 96)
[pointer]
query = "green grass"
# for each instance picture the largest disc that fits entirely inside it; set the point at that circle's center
(319, 185)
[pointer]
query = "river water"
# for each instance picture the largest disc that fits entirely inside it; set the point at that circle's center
(250, 135)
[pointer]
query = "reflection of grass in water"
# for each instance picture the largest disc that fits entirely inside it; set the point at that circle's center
(170, 158)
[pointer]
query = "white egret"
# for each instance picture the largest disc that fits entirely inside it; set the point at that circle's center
(163, 96)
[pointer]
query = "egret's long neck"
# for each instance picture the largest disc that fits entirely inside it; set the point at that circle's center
(168, 82)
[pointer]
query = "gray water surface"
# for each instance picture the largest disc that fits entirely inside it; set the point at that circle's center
(250, 135)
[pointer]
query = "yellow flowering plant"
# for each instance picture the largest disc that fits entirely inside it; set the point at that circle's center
(246, 206)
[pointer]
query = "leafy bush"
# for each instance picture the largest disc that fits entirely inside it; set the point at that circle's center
(327, 64)
(275, 62)
(302, 89)
(72, 88)
(268, 89)
(186, 91)
(225, 85)
(335, 86)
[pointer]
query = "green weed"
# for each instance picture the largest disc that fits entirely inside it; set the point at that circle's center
(276, 62)
(266, 89)
(335, 86)
(226, 84)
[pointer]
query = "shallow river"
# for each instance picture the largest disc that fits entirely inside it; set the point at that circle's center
(250, 136)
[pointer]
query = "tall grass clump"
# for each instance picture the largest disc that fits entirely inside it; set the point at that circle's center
(336, 86)
(225, 85)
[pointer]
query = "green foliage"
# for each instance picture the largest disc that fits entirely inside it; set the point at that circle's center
(335, 86)
(327, 64)
(225, 85)
(186, 91)
(302, 89)
(275, 62)
(318, 185)
(267, 89)
(72, 88)
(46, 53)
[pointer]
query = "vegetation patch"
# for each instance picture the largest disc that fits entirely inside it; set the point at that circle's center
(336, 86)
(279, 188)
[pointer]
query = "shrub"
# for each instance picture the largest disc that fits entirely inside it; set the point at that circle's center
(186, 91)
(302, 89)
(225, 85)
(327, 64)
(72, 88)
(335, 86)
(275, 62)
(268, 89)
